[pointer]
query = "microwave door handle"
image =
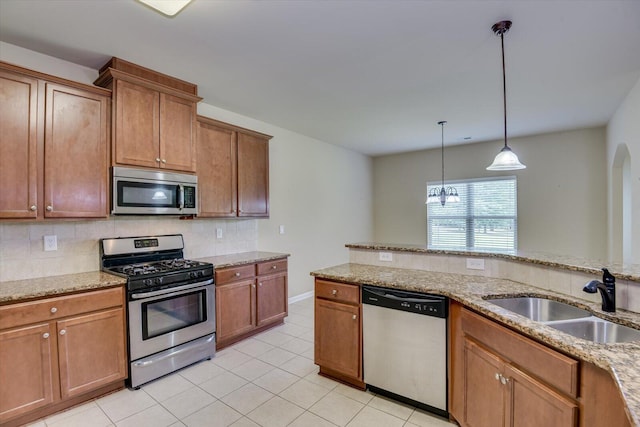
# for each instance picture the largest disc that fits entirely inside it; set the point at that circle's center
(181, 196)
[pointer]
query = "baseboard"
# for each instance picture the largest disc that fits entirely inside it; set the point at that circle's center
(301, 297)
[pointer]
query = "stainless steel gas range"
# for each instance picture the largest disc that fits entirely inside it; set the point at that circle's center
(171, 304)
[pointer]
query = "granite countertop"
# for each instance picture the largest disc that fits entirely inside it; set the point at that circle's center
(223, 261)
(567, 262)
(621, 360)
(19, 290)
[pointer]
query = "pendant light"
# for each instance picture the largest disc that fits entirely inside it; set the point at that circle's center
(506, 159)
(442, 195)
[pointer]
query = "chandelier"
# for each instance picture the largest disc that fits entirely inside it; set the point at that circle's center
(442, 194)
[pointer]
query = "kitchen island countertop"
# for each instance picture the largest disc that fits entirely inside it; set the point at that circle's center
(621, 360)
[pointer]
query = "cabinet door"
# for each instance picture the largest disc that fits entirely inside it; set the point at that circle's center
(235, 309)
(337, 337)
(271, 299)
(75, 180)
(217, 175)
(91, 351)
(137, 131)
(483, 392)
(253, 176)
(26, 369)
(177, 133)
(531, 404)
(18, 145)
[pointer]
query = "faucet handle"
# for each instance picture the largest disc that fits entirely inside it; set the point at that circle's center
(608, 278)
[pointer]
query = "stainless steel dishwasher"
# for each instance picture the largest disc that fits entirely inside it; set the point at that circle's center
(405, 346)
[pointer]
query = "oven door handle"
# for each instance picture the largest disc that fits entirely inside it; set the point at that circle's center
(171, 290)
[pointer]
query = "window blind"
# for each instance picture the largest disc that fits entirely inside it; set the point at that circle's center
(485, 218)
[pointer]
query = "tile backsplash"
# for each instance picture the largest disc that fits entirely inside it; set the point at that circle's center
(22, 254)
(559, 280)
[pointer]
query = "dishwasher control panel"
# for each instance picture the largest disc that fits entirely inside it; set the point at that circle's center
(413, 302)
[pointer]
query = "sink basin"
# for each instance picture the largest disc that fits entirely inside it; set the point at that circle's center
(597, 330)
(540, 309)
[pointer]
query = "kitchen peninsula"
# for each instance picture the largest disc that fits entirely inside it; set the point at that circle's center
(419, 269)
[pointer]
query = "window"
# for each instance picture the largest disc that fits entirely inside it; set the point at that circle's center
(485, 218)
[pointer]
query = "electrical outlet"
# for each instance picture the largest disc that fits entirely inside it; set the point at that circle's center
(51, 243)
(386, 256)
(282, 229)
(475, 264)
(218, 233)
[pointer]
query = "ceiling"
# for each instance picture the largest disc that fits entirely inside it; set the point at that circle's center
(372, 76)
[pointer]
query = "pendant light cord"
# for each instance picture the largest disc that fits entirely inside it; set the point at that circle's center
(504, 88)
(442, 150)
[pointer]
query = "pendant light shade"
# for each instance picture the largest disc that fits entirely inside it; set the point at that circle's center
(442, 195)
(506, 160)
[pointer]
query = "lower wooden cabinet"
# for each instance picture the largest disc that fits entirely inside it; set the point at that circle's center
(338, 331)
(249, 298)
(57, 350)
(501, 378)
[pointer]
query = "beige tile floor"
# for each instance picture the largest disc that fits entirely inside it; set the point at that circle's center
(268, 380)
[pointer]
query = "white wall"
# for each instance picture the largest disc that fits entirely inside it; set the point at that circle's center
(321, 193)
(560, 194)
(623, 140)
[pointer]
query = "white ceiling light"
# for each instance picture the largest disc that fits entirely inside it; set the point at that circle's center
(166, 7)
(506, 160)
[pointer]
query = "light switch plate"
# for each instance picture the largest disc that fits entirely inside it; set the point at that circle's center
(281, 229)
(218, 233)
(475, 264)
(51, 243)
(386, 256)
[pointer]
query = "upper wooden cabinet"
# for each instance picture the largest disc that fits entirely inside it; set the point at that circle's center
(53, 146)
(233, 170)
(154, 117)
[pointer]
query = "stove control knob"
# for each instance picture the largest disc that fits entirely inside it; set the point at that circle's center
(147, 282)
(159, 280)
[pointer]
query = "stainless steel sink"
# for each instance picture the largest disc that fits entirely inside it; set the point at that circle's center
(540, 309)
(597, 330)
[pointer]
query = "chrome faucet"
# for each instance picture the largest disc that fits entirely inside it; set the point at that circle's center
(607, 290)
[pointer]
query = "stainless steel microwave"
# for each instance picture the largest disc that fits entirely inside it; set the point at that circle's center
(149, 192)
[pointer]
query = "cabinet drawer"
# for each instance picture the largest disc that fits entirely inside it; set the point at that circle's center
(58, 307)
(338, 291)
(271, 267)
(227, 275)
(554, 368)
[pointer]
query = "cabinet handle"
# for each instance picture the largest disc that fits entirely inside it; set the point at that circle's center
(33, 207)
(62, 332)
(49, 208)
(237, 274)
(164, 160)
(158, 159)
(45, 335)
(334, 292)
(354, 317)
(53, 309)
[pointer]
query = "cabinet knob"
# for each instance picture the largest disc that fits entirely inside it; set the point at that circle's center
(164, 160)
(33, 207)
(63, 331)
(253, 286)
(234, 211)
(45, 335)
(49, 208)
(274, 267)
(504, 380)
(53, 309)
(260, 284)
(158, 159)
(354, 317)
(334, 292)
(237, 274)
(497, 376)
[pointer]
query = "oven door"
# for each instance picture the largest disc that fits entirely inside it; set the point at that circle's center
(160, 320)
